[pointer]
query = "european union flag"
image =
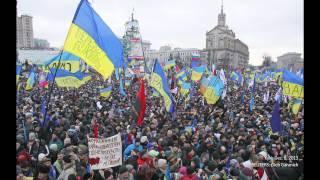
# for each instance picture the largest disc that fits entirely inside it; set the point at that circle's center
(275, 119)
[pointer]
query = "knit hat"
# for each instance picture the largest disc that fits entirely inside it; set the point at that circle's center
(22, 158)
(123, 169)
(264, 154)
(32, 136)
(233, 162)
(83, 149)
(183, 171)
(42, 157)
(53, 147)
(144, 139)
(129, 167)
(153, 153)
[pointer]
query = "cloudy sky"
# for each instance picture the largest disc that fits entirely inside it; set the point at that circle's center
(270, 27)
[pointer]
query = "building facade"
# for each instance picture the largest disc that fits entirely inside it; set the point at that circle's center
(164, 53)
(223, 48)
(146, 45)
(24, 32)
(290, 61)
(41, 44)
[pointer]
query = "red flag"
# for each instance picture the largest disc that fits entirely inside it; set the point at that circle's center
(141, 102)
(95, 129)
(172, 82)
(214, 72)
(177, 68)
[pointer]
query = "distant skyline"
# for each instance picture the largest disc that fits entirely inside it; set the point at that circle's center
(268, 27)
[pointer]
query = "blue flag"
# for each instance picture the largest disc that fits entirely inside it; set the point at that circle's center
(254, 84)
(275, 119)
(122, 92)
(242, 98)
(252, 94)
(43, 106)
(117, 73)
(251, 103)
(168, 172)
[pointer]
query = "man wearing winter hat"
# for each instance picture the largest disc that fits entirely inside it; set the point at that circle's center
(144, 141)
(47, 162)
(124, 173)
(68, 168)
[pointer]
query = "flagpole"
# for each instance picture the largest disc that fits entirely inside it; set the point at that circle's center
(51, 88)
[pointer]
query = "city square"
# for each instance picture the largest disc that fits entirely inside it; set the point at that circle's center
(176, 90)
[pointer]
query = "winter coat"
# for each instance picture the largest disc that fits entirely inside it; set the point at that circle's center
(67, 170)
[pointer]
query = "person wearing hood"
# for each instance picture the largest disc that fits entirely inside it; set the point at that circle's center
(131, 147)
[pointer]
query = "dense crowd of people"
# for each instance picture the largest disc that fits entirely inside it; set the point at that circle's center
(198, 141)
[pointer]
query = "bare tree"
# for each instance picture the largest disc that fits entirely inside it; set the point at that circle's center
(267, 61)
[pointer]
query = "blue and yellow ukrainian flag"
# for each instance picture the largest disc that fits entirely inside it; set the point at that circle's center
(180, 82)
(67, 79)
(235, 76)
(68, 62)
(155, 93)
(93, 41)
(105, 92)
(295, 105)
(18, 71)
(185, 88)
(197, 73)
(31, 80)
(160, 83)
(214, 90)
(292, 85)
(169, 64)
(203, 85)
(182, 75)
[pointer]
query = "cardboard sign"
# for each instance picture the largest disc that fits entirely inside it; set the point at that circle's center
(107, 152)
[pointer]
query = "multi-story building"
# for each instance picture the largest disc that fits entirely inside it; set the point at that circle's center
(222, 47)
(290, 61)
(41, 44)
(182, 56)
(146, 45)
(24, 32)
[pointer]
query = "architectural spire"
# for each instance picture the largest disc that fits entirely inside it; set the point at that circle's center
(221, 6)
(221, 16)
(132, 14)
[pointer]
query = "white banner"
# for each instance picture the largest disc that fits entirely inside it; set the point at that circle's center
(108, 151)
(136, 50)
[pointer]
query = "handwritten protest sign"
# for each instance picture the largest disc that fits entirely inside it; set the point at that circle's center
(106, 151)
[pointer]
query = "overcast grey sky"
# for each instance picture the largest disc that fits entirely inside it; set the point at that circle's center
(271, 27)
